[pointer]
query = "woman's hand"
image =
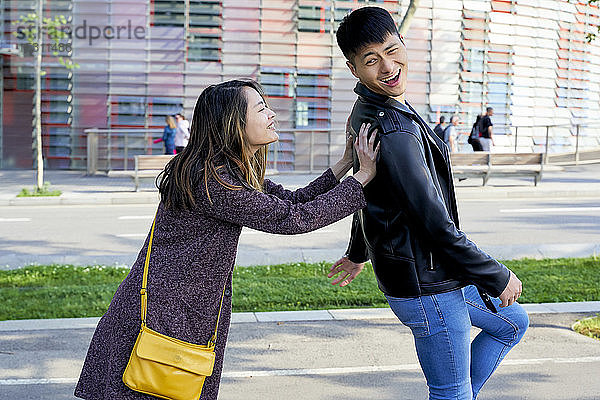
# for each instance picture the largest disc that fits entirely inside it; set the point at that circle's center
(367, 155)
(345, 163)
(347, 157)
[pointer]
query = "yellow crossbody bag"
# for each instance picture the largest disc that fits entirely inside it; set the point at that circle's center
(163, 366)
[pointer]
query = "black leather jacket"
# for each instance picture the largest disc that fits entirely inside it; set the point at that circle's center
(410, 228)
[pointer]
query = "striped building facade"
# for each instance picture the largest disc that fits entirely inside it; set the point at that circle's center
(141, 60)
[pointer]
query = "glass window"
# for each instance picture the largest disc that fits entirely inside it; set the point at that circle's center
(301, 114)
(204, 47)
(278, 84)
(205, 14)
(313, 94)
(128, 110)
(168, 13)
(314, 19)
(25, 82)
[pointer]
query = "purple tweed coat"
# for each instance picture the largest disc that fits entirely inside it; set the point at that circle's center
(193, 255)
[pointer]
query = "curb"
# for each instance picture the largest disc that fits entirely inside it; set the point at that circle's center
(292, 316)
(154, 198)
(523, 194)
(133, 198)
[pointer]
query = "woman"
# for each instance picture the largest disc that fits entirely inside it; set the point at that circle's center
(208, 192)
(168, 137)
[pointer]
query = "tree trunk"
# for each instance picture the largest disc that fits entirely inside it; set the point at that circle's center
(410, 12)
(38, 99)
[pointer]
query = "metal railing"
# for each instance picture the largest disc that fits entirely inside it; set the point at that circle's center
(311, 150)
(109, 149)
(548, 139)
(297, 151)
(571, 127)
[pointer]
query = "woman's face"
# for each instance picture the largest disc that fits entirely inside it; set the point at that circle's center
(260, 121)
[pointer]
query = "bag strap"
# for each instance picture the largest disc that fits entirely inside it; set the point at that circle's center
(144, 294)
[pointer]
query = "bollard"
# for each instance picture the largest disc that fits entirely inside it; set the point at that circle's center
(92, 151)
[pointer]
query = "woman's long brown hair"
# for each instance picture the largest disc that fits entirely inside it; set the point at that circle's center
(217, 140)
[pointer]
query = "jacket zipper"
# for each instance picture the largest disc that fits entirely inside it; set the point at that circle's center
(431, 267)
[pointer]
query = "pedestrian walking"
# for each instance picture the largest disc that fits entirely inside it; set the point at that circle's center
(436, 281)
(474, 136)
(168, 137)
(182, 135)
(451, 135)
(439, 128)
(485, 130)
(208, 192)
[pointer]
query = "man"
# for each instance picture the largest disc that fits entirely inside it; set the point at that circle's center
(182, 134)
(439, 128)
(450, 134)
(485, 130)
(424, 264)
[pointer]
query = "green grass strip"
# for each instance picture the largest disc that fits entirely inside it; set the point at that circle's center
(63, 291)
(589, 326)
(38, 192)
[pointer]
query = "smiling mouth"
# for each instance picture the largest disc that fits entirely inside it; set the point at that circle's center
(392, 80)
(271, 126)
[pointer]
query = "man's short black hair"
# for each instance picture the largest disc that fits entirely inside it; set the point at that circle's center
(442, 119)
(488, 109)
(362, 27)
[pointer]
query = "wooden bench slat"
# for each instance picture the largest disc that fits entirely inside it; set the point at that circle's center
(146, 166)
(516, 159)
(484, 165)
(152, 162)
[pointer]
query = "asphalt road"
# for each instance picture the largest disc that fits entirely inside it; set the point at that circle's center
(333, 360)
(109, 234)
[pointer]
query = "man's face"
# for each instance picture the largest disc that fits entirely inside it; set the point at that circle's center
(382, 67)
(490, 112)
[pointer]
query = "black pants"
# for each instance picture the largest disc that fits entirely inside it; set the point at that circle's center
(476, 144)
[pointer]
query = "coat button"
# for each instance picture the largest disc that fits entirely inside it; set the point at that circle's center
(227, 292)
(381, 113)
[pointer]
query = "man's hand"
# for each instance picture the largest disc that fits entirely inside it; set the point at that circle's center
(347, 269)
(512, 291)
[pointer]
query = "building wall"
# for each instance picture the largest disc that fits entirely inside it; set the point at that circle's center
(527, 58)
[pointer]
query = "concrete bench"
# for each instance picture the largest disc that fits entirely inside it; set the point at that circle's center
(146, 166)
(484, 165)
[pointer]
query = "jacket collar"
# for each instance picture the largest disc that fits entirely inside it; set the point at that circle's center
(372, 97)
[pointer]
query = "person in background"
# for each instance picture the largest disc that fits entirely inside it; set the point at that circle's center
(474, 136)
(450, 134)
(439, 128)
(485, 130)
(168, 137)
(182, 136)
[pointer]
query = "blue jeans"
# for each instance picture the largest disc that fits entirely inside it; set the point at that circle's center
(455, 367)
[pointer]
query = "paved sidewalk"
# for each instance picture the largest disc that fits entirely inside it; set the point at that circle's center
(77, 188)
(294, 316)
(325, 360)
(353, 355)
